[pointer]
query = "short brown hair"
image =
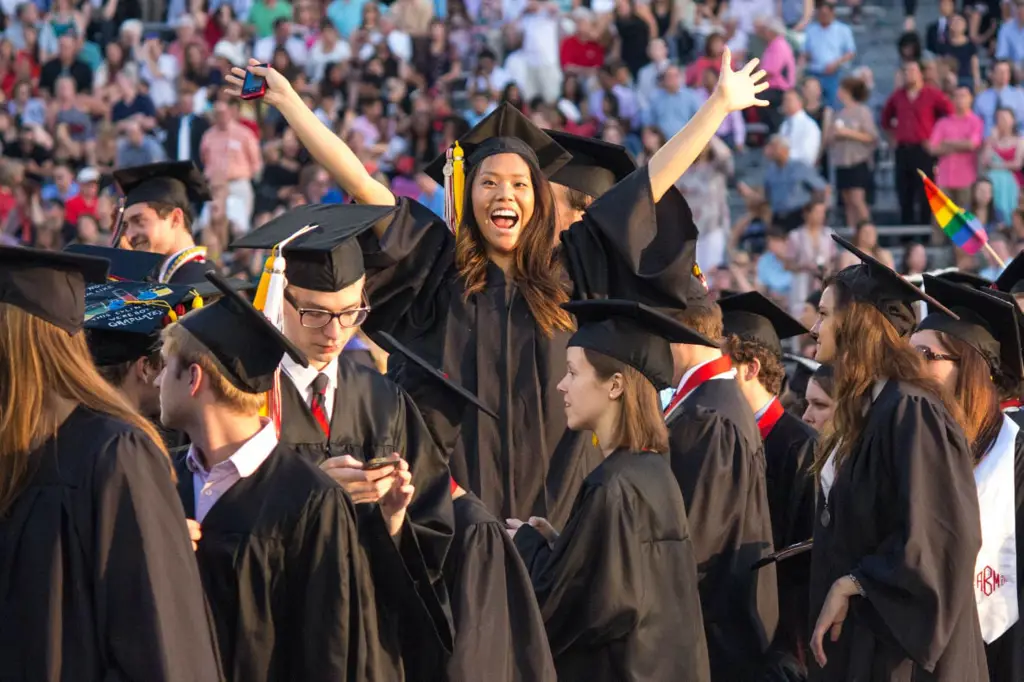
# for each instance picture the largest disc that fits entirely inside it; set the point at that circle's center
(703, 320)
(856, 87)
(163, 209)
(117, 373)
(743, 350)
(641, 426)
(180, 343)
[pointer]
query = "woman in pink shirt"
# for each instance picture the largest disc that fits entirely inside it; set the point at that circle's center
(955, 141)
(780, 64)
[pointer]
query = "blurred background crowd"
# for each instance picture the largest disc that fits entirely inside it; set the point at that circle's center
(863, 95)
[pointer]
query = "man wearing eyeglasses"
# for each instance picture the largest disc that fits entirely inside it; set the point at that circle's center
(341, 415)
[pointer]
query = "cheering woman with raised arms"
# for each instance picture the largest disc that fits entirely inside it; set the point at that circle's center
(483, 303)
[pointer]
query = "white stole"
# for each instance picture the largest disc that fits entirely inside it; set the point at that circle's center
(995, 578)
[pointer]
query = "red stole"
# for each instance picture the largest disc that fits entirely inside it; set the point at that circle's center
(713, 368)
(770, 418)
(452, 484)
(1011, 403)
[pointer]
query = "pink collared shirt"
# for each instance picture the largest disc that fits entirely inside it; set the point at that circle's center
(958, 170)
(779, 62)
(210, 486)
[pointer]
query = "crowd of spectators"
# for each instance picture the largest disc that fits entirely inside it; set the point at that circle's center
(87, 86)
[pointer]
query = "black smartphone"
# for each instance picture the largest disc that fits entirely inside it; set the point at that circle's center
(254, 87)
(379, 463)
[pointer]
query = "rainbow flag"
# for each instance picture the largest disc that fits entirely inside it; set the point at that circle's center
(959, 225)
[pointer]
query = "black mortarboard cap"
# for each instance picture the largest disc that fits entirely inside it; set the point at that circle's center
(632, 333)
(123, 320)
(986, 323)
(966, 278)
(179, 183)
(505, 130)
(244, 341)
(127, 265)
(49, 284)
(328, 258)
(596, 166)
(1011, 280)
(881, 287)
(442, 410)
(754, 316)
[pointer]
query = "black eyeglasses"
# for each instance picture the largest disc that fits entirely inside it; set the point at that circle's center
(932, 356)
(314, 318)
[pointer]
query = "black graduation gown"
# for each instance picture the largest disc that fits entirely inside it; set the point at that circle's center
(527, 463)
(97, 578)
(286, 579)
(904, 521)
(499, 631)
(374, 417)
(1006, 654)
(618, 591)
(718, 459)
(789, 454)
(193, 272)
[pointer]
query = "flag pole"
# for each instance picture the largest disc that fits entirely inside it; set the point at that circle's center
(995, 256)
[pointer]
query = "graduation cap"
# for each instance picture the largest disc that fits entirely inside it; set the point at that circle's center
(123, 320)
(984, 322)
(247, 345)
(596, 166)
(754, 316)
(328, 258)
(179, 183)
(49, 284)
(1011, 280)
(884, 289)
(448, 405)
(505, 131)
(633, 333)
(965, 278)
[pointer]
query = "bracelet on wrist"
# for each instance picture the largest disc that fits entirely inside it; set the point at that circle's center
(856, 583)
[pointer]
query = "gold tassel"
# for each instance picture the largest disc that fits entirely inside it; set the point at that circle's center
(260, 299)
(458, 183)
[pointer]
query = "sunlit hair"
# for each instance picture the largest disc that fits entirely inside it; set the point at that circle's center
(703, 320)
(868, 348)
(825, 378)
(641, 426)
(535, 269)
(181, 344)
(976, 394)
(39, 360)
(577, 199)
(745, 351)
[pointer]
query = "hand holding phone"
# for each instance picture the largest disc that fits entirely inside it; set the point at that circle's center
(254, 87)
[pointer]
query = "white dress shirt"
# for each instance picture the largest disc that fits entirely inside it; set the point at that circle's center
(303, 378)
(804, 137)
(210, 486)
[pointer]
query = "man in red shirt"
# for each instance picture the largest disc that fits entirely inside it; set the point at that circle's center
(83, 203)
(581, 53)
(909, 116)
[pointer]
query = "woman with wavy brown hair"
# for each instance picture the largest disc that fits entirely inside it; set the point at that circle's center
(971, 357)
(480, 296)
(97, 580)
(897, 531)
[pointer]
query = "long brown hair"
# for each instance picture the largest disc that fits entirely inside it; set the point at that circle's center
(868, 348)
(976, 394)
(641, 426)
(39, 360)
(535, 268)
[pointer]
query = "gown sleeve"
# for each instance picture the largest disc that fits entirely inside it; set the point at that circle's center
(921, 575)
(500, 628)
(590, 587)
(149, 597)
(406, 271)
(333, 620)
(626, 246)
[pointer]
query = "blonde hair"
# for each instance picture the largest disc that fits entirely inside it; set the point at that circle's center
(39, 360)
(180, 343)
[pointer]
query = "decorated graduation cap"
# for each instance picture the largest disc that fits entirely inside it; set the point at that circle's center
(327, 257)
(504, 131)
(1011, 280)
(966, 278)
(884, 289)
(179, 183)
(49, 285)
(985, 323)
(247, 345)
(446, 407)
(123, 320)
(596, 166)
(633, 333)
(754, 316)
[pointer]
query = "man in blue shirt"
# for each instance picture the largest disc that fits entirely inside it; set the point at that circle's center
(789, 185)
(671, 105)
(1001, 95)
(829, 48)
(1010, 39)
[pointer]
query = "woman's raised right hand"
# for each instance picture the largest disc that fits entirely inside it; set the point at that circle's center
(278, 87)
